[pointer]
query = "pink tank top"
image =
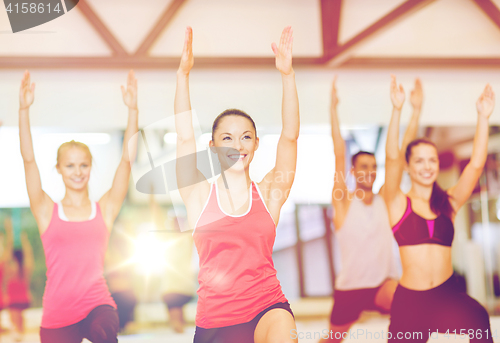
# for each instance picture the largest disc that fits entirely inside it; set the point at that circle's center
(74, 254)
(237, 276)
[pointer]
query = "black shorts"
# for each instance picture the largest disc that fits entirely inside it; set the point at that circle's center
(240, 333)
(100, 326)
(445, 308)
(348, 305)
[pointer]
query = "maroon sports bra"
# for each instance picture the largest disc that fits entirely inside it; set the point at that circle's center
(412, 229)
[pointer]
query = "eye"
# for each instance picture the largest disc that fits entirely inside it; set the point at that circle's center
(226, 138)
(247, 137)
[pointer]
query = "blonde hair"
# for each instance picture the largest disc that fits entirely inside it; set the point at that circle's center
(72, 144)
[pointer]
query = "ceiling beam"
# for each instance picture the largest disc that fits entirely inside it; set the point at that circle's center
(420, 62)
(145, 62)
(101, 29)
(490, 9)
(160, 25)
(330, 24)
(341, 53)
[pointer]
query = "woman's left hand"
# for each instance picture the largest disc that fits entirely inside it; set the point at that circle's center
(283, 52)
(486, 102)
(130, 93)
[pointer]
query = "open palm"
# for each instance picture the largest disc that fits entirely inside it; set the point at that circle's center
(130, 93)
(283, 52)
(397, 93)
(187, 59)
(26, 92)
(486, 102)
(417, 94)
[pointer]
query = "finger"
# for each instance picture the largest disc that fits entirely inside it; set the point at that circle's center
(290, 41)
(33, 87)
(275, 49)
(335, 80)
(190, 39)
(282, 38)
(123, 90)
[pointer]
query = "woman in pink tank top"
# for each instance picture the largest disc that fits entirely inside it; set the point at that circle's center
(234, 219)
(75, 231)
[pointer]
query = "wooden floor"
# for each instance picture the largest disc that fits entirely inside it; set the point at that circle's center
(307, 329)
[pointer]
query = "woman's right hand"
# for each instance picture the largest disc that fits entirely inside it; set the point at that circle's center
(397, 94)
(187, 59)
(26, 92)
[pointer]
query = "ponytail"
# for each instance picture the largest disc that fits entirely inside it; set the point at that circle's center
(440, 201)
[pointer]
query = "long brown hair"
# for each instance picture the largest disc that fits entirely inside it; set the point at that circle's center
(440, 200)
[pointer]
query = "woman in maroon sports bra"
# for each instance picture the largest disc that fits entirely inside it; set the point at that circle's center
(427, 299)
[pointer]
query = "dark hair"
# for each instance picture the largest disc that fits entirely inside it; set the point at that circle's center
(359, 153)
(19, 258)
(231, 112)
(440, 200)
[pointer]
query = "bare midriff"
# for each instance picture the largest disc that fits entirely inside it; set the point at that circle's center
(425, 266)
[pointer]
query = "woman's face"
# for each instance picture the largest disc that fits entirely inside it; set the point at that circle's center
(74, 166)
(235, 142)
(423, 166)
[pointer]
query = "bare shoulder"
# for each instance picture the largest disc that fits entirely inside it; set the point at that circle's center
(196, 201)
(341, 207)
(43, 213)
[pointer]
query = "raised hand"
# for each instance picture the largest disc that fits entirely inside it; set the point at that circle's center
(187, 59)
(130, 93)
(417, 95)
(397, 93)
(283, 52)
(335, 99)
(26, 92)
(486, 102)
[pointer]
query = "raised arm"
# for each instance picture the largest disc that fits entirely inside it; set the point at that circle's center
(416, 100)
(282, 175)
(394, 160)
(112, 200)
(40, 203)
(339, 192)
(189, 178)
(468, 180)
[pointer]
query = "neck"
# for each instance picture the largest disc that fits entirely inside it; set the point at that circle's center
(420, 191)
(76, 198)
(236, 180)
(367, 193)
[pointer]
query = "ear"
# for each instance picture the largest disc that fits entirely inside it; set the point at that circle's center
(212, 146)
(406, 167)
(58, 169)
(256, 143)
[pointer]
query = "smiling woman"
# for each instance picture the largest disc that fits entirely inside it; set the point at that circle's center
(234, 219)
(75, 232)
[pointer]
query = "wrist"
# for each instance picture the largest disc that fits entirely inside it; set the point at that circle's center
(396, 108)
(26, 108)
(482, 117)
(290, 74)
(182, 73)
